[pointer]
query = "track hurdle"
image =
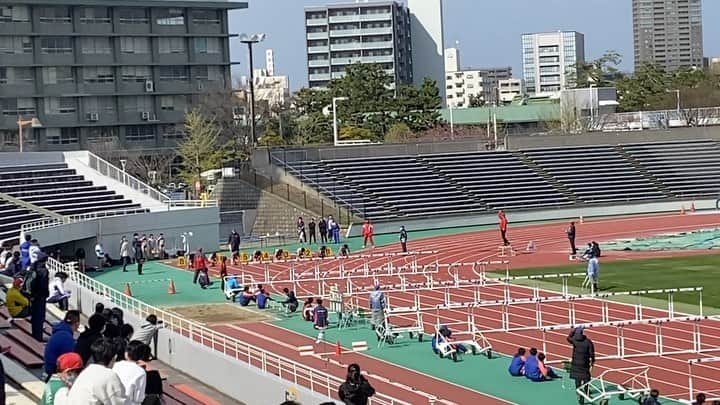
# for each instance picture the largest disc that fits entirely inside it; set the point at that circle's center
(470, 335)
(692, 363)
(635, 385)
(411, 323)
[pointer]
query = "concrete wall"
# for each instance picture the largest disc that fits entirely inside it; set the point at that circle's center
(203, 222)
(490, 218)
(232, 377)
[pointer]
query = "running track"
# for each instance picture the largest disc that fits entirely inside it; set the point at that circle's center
(668, 373)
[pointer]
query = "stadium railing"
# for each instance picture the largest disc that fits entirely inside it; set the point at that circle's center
(71, 219)
(289, 370)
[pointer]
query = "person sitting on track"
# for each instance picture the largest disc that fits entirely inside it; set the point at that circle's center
(279, 254)
(262, 297)
(291, 301)
(232, 286)
(246, 296)
(344, 251)
(517, 364)
(308, 306)
(323, 252)
(301, 253)
(547, 372)
(446, 337)
(257, 256)
(320, 319)
(532, 367)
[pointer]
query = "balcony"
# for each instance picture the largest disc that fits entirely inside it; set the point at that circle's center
(173, 86)
(135, 59)
(376, 17)
(18, 89)
(171, 116)
(344, 18)
(345, 47)
(317, 35)
(378, 31)
(59, 89)
(173, 58)
(318, 77)
(378, 59)
(345, 33)
(97, 88)
(319, 63)
(103, 117)
(56, 59)
(208, 58)
(19, 27)
(95, 25)
(57, 120)
(377, 45)
(318, 49)
(96, 59)
(338, 75)
(132, 25)
(314, 22)
(205, 27)
(346, 61)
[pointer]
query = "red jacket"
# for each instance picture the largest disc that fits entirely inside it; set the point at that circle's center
(368, 230)
(200, 262)
(503, 222)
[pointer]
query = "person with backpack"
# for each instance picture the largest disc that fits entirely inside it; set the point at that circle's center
(25, 252)
(36, 287)
(356, 390)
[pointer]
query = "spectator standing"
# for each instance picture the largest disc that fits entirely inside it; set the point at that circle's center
(148, 330)
(18, 305)
(36, 285)
(571, 238)
(311, 229)
(336, 232)
(593, 272)
(583, 358)
(234, 244)
(101, 256)
(138, 252)
(25, 252)
(356, 390)
(377, 307)
(320, 319)
(301, 230)
(61, 341)
(131, 374)
(80, 257)
(503, 227)
(98, 384)
(58, 294)
(368, 230)
(403, 239)
(152, 247)
(199, 264)
(34, 251)
(93, 332)
(69, 365)
(161, 246)
(145, 244)
(323, 229)
(5, 255)
(125, 252)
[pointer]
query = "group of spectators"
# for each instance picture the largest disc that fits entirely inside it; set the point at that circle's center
(107, 363)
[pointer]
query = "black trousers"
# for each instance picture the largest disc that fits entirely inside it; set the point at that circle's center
(125, 261)
(572, 246)
(503, 233)
(403, 245)
(139, 264)
(579, 382)
(312, 238)
(323, 237)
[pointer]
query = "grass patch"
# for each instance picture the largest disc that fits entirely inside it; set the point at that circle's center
(628, 275)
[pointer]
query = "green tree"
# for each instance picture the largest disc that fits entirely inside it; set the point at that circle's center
(350, 133)
(642, 91)
(476, 101)
(199, 149)
(398, 133)
(601, 72)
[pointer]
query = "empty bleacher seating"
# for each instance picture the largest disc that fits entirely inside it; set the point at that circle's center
(595, 174)
(686, 169)
(499, 179)
(54, 187)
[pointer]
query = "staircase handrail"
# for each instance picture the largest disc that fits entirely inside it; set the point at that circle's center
(97, 163)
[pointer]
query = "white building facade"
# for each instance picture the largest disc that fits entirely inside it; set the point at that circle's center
(428, 45)
(549, 61)
(508, 89)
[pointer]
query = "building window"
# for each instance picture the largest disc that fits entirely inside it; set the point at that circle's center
(140, 133)
(15, 45)
(139, 74)
(207, 45)
(58, 75)
(55, 15)
(102, 134)
(61, 136)
(135, 45)
(56, 45)
(12, 14)
(132, 16)
(173, 103)
(17, 106)
(171, 16)
(173, 73)
(172, 45)
(172, 131)
(94, 15)
(137, 104)
(60, 105)
(205, 17)
(207, 73)
(95, 46)
(98, 105)
(16, 75)
(98, 74)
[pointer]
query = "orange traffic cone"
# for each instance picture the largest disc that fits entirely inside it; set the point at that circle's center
(692, 207)
(682, 210)
(171, 287)
(127, 290)
(338, 349)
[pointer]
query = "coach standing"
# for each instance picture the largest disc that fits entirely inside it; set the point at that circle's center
(583, 358)
(503, 227)
(571, 238)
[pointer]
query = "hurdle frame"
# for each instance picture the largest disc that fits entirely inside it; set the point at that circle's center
(691, 386)
(477, 340)
(601, 386)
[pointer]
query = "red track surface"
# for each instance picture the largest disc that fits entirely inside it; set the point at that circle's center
(668, 373)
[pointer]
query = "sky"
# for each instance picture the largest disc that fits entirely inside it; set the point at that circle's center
(488, 31)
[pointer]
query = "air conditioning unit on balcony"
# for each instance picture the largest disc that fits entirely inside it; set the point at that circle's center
(92, 117)
(149, 86)
(145, 115)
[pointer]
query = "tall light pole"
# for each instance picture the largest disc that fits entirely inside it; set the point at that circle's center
(251, 40)
(592, 102)
(677, 108)
(335, 127)
(34, 123)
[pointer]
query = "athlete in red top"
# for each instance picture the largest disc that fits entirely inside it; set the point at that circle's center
(503, 227)
(367, 232)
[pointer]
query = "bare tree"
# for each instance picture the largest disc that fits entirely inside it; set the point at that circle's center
(152, 169)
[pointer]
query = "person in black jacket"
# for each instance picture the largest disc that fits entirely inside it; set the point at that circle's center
(322, 228)
(234, 243)
(583, 358)
(93, 332)
(356, 389)
(39, 291)
(571, 238)
(138, 253)
(311, 228)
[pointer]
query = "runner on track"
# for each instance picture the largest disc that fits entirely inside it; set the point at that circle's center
(503, 227)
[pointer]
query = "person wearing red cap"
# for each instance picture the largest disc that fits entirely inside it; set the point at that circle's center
(69, 366)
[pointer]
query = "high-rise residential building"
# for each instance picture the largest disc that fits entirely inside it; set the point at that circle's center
(549, 61)
(668, 33)
(340, 35)
(115, 72)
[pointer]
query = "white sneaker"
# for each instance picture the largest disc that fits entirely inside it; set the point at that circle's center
(318, 341)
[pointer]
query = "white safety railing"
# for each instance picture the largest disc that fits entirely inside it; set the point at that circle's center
(289, 370)
(70, 219)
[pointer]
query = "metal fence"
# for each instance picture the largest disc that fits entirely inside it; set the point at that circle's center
(649, 120)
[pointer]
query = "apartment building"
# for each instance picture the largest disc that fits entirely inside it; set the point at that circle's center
(111, 72)
(549, 59)
(508, 89)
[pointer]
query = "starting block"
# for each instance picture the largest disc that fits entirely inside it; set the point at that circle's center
(181, 261)
(505, 251)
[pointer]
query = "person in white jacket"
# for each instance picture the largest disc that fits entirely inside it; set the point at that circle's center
(98, 384)
(58, 294)
(131, 374)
